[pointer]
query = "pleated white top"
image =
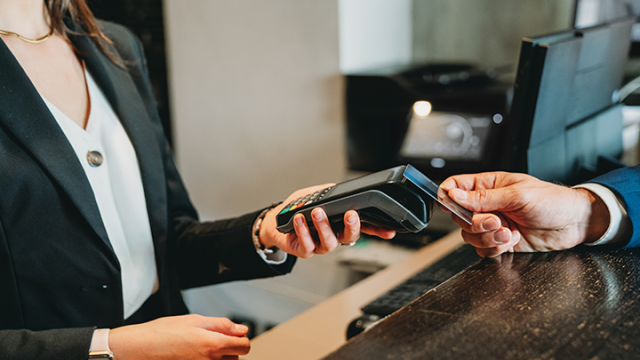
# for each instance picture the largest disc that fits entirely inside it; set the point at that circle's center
(117, 187)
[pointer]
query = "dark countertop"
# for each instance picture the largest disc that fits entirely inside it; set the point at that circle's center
(578, 304)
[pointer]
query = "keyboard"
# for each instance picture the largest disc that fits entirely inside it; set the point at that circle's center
(412, 288)
(423, 281)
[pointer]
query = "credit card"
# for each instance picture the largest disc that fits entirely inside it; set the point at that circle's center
(440, 196)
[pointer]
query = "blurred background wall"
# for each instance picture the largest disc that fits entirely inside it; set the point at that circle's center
(257, 112)
(486, 32)
(374, 33)
(257, 99)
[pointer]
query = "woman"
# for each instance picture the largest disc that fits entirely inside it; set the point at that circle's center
(96, 228)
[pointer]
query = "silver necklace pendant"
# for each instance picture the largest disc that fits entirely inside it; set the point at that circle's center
(94, 158)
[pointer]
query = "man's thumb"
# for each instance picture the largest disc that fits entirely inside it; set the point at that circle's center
(482, 200)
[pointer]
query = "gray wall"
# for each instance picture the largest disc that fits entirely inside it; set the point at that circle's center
(257, 99)
(256, 95)
(485, 32)
(374, 33)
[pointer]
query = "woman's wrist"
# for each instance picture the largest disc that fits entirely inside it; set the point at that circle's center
(260, 240)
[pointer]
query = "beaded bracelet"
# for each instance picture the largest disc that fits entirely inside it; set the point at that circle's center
(256, 231)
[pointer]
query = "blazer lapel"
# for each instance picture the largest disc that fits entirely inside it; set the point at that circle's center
(120, 90)
(27, 117)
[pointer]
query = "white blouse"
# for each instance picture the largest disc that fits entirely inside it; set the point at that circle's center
(118, 190)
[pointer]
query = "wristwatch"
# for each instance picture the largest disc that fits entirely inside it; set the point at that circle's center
(101, 354)
(100, 345)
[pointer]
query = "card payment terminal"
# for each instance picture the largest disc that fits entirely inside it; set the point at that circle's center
(400, 198)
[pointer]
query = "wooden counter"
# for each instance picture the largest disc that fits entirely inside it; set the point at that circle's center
(578, 304)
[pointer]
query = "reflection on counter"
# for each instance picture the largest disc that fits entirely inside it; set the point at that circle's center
(578, 304)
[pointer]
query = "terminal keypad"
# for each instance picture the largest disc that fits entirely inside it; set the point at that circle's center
(306, 200)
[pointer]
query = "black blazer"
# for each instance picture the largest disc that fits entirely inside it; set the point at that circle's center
(57, 267)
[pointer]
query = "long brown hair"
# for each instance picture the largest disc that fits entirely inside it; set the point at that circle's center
(80, 13)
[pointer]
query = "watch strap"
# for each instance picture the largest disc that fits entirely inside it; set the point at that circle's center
(99, 348)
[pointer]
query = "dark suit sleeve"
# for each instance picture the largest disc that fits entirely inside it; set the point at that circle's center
(64, 344)
(203, 252)
(625, 183)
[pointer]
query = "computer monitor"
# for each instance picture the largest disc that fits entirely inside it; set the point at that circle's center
(565, 123)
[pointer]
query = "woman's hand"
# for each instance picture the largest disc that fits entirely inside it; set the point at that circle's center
(517, 212)
(180, 337)
(302, 243)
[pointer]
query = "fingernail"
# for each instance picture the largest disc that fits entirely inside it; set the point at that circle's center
(490, 224)
(351, 219)
(501, 236)
(299, 220)
(459, 194)
(317, 215)
(241, 328)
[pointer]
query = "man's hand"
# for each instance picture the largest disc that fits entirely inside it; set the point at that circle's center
(180, 337)
(302, 243)
(517, 212)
